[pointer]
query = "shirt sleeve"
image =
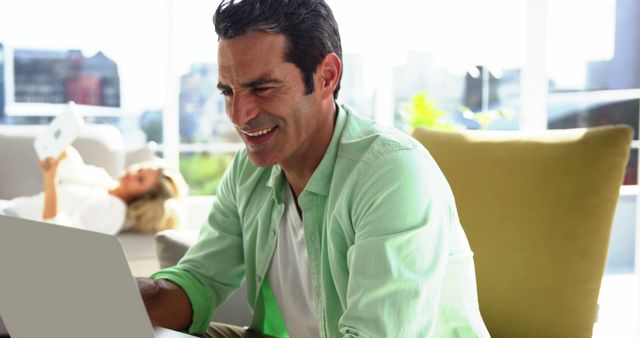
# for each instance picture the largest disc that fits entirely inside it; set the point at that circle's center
(402, 210)
(69, 168)
(214, 267)
(73, 170)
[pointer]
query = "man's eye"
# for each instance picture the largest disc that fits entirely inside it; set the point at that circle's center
(225, 92)
(260, 89)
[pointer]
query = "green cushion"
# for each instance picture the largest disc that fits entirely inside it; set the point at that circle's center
(537, 208)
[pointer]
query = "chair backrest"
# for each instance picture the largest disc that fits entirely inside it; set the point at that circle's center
(537, 208)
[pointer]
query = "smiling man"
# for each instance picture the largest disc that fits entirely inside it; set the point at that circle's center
(339, 227)
(267, 101)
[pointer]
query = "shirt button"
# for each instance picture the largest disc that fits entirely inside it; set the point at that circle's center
(258, 279)
(272, 233)
(312, 237)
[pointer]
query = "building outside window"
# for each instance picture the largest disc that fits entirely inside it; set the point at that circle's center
(46, 76)
(594, 67)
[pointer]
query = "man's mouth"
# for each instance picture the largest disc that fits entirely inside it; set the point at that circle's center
(259, 132)
(259, 136)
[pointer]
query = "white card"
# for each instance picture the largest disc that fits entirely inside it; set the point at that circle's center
(60, 133)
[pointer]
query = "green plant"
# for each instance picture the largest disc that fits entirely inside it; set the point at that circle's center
(420, 111)
(203, 171)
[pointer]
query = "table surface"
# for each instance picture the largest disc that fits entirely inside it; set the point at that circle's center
(166, 333)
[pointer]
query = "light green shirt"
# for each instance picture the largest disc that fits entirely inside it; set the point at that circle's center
(387, 254)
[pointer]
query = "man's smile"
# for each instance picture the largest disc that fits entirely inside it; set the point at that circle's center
(259, 136)
(258, 132)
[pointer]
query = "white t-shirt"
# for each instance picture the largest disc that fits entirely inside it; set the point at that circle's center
(83, 199)
(289, 275)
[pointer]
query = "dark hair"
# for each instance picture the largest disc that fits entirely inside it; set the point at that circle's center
(308, 25)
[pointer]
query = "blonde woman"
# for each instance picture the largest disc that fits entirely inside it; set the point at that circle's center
(145, 198)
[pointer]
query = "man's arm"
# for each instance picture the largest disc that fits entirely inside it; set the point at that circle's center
(167, 304)
(401, 215)
(184, 296)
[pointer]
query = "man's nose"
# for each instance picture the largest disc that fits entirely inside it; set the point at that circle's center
(242, 108)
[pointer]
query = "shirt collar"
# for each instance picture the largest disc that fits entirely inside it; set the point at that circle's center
(321, 178)
(275, 181)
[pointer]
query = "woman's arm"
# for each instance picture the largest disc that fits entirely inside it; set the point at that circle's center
(49, 167)
(50, 209)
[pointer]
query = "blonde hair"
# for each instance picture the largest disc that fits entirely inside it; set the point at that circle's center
(161, 207)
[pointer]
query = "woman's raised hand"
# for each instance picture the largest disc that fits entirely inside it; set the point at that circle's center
(49, 165)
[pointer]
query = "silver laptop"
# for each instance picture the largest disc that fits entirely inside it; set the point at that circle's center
(57, 281)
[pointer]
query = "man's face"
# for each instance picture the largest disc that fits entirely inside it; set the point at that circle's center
(264, 99)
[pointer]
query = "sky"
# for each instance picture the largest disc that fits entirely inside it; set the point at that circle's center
(460, 33)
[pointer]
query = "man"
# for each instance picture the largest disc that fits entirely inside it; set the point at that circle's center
(341, 228)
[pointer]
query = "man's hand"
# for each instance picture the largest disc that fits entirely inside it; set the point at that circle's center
(166, 303)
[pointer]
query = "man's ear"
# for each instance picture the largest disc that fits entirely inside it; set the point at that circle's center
(328, 72)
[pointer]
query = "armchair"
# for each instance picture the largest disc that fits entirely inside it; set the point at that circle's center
(537, 209)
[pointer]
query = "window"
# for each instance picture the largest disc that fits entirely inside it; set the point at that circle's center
(110, 56)
(208, 140)
(594, 67)
(464, 60)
